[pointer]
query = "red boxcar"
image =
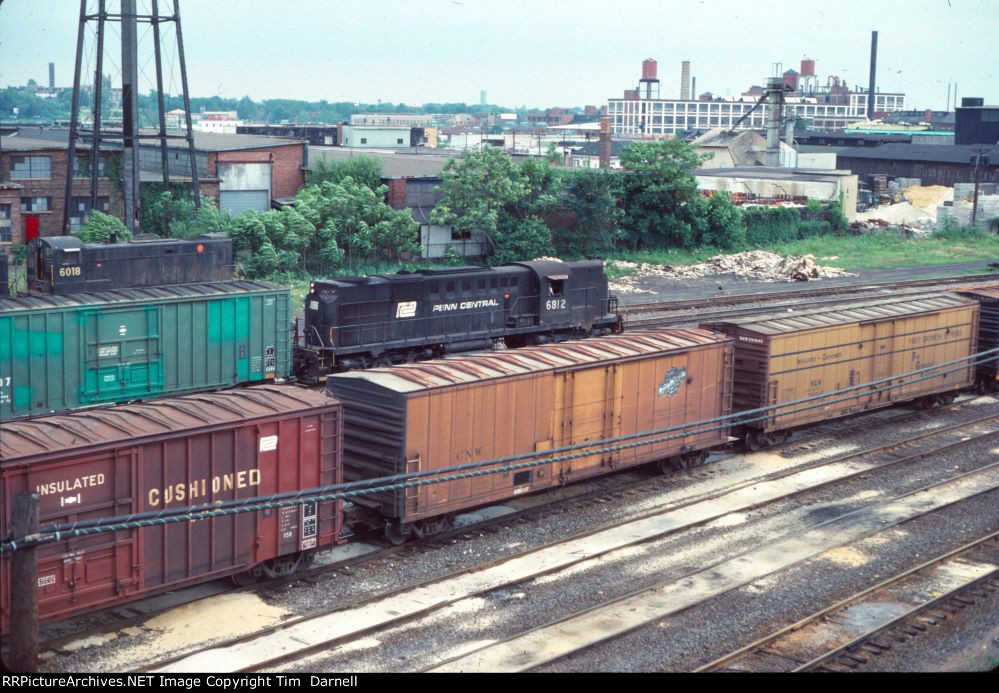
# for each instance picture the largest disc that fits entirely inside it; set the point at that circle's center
(172, 453)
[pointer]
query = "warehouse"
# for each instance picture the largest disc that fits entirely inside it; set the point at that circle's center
(251, 170)
(933, 164)
(761, 181)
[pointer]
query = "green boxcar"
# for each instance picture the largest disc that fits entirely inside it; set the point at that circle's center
(64, 352)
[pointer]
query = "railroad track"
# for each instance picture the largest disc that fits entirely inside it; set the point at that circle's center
(611, 487)
(608, 621)
(634, 483)
(714, 309)
(909, 604)
(967, 281)
(294, 639)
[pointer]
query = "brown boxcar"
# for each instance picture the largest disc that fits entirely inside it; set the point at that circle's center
(988, 334)
(460, 410)
(170, 453)
(788, 356)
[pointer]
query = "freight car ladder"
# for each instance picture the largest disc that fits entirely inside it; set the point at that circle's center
(411, 494)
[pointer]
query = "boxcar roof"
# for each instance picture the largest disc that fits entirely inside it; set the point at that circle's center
(990, 293)
(145, 293)
(843, 314)
(457, 370)
(163, 418)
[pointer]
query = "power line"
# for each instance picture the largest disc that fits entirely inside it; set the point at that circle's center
(353, 489)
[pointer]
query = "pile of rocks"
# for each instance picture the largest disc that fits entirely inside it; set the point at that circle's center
(757, 264)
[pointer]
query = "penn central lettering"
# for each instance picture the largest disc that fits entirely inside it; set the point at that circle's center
(200, 488)
(465, 305)
(70, 484)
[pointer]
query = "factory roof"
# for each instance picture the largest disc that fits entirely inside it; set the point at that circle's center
(20, 143)
(772, 173)
(937, 153)
(37, 138)
(401, 164)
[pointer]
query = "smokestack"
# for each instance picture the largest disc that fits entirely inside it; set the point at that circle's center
(693, 87)
(874, 65)
(605, 142)
(685, 81)
(51, 75)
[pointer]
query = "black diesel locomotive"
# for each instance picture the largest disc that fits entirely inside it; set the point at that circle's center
(66, 265)
(357, 322)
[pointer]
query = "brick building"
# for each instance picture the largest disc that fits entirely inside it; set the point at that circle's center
(241, 171)
(33, 185)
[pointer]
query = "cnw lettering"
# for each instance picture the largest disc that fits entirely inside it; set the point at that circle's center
(200, 488)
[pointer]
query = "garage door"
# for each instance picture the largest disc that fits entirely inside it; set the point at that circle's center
(238, 201)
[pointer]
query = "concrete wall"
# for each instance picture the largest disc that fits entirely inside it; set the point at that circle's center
(817, 160)
(386, 138)
(842, 188)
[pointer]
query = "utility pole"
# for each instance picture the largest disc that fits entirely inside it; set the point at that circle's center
(24, 587)
(978, 162)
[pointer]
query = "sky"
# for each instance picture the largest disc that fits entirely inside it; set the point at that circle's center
(536, 53)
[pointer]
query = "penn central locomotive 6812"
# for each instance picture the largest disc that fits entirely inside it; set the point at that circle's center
(357, 322)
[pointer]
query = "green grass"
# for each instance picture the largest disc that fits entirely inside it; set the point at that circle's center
(878, 251)
(885, 250)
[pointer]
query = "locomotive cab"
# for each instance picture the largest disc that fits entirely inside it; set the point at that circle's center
(56, 262)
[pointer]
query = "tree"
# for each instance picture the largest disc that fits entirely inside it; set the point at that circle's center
(349, 220)
(725, 227)
(207, 219)
(162, 206)
(103, 228)
(658, 194)
(366, 170)
(487, 192)
(589, 198)
(522, 239)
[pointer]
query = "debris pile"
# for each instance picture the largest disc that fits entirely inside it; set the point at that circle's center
(757, 264)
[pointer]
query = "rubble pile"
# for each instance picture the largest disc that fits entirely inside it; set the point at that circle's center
(757, 264)
(928, 197)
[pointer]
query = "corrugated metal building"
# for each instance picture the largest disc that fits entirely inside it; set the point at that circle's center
(933, 164)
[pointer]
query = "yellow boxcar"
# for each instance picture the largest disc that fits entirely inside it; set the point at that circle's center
(466, 409)
(988, 335)
(788, 356)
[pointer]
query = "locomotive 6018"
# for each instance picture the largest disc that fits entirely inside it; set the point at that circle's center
(66, 265)
(356, 322)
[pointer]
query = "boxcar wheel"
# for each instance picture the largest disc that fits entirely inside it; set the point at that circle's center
(947, 398)
(694, 459)
(756, 441)
(245, 579)
(395, 535)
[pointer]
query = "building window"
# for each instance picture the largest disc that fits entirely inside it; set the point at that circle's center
(5, 224)
(399, 141)
(36, 204)
(27, 167)
(81, 165)
(364, 140)
(79, 211)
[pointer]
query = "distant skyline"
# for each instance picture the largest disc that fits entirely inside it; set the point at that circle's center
(531, 53)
